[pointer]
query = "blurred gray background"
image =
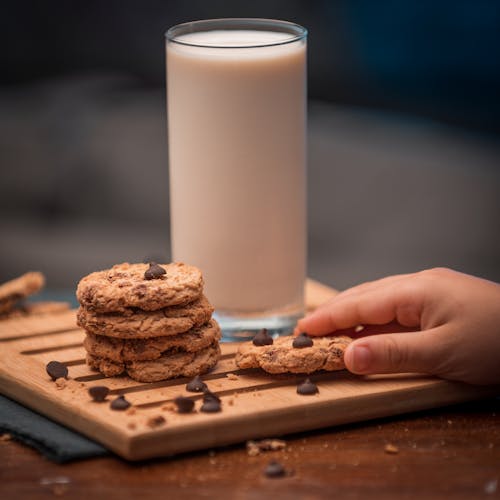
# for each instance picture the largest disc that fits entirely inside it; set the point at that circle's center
(404, 151)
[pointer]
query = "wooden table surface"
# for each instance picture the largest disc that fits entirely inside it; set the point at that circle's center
(452, 452)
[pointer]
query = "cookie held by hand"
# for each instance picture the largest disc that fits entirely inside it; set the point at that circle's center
(325, 353)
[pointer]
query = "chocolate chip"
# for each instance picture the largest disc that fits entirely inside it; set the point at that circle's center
(196, 385)
(302, 340)
(98, 392)
(56, 370)
(210, 406)
(154, 272)
(211, 402)
(274, 469)
(184, 405)
(119, 404)
(208, 394)
(307, 388)
(262, 338)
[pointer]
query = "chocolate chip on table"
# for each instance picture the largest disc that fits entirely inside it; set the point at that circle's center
(302, 340)
(196, 385)
(154, 272)
(274, 469)
(56, 370)
(119, 404)
(184, 405)
(307, 388)
(262, 338)
(98, 392)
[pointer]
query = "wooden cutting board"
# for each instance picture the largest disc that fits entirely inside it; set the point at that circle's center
(255, 404)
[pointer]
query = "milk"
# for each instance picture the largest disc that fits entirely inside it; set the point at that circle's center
(237, 159)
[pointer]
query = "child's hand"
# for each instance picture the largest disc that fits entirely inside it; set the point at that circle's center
(458, 318)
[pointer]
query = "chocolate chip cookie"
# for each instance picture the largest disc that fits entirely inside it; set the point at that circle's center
(14, 290)
(169, 365)
(326, 353)
(121, 350)
(138, 324)
(126, 286)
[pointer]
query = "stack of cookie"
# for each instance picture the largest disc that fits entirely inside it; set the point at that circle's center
(147, 320)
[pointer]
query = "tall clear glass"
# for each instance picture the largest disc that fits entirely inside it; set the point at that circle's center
(236, 101)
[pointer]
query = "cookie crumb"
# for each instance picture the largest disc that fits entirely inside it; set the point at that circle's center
(254, 448)
(230, 402)
(48, 481)
(391, 449)
(156, 421)
(131, 411)
(59, 489)
(58, 484)
(168, 407)
(232, 376)
(131, 425)
(491, 487)
(359, 328)
(5, 437)
(60, 383)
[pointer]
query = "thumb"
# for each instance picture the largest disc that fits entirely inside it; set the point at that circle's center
(420, 352)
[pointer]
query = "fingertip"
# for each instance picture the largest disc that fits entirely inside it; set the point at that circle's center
(304, 325)
(314, 325)
(358, 358)
(348, 354)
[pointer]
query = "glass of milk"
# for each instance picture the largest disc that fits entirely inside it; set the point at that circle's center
(236, 102)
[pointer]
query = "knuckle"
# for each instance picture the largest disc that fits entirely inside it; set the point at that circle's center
(396, 354)
(435, 272)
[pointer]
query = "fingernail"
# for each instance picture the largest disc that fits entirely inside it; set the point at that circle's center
(361, 359)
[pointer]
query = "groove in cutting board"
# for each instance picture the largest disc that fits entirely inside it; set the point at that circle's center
(42, 334)
(42, 350)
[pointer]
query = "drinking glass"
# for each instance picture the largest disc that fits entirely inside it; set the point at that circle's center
(236, 105)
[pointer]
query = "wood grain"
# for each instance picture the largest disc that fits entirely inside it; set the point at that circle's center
(255, 404)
